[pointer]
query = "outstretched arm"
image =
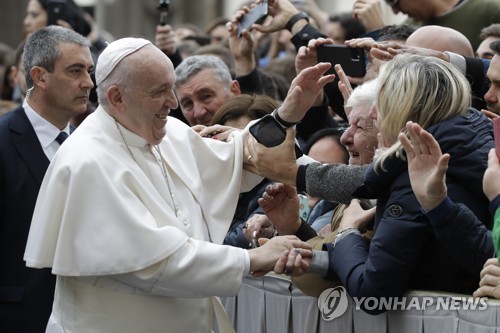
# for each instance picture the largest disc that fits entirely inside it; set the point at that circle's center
(455, 226)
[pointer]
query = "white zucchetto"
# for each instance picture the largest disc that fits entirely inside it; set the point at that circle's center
(114, 53)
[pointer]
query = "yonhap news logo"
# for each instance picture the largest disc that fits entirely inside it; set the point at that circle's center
(333, 303)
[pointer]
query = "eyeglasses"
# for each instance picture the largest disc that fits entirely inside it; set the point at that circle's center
(392, 3)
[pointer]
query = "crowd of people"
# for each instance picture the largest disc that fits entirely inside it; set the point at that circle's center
(132, 192)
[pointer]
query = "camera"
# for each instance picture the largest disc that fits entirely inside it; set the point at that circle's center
(56, 10)
(270, 133)
(352, 60)
(163, 6)
(256, 15)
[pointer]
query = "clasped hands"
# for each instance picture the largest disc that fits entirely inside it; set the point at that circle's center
(269, 256)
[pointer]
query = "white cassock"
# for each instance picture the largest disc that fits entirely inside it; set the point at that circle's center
(126, 259)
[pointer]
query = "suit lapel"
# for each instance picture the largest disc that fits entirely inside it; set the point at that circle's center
(27, 144)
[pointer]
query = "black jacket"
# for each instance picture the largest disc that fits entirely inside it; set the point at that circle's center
(405, 253)
(26, 294)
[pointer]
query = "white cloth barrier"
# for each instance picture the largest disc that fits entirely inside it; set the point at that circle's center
(273, 304)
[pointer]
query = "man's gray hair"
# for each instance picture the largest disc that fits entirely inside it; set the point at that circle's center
(195, 64)
(42, 48)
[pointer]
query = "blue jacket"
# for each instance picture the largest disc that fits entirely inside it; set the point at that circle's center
(405, 252)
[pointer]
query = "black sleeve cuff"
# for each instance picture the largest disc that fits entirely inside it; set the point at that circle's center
(438, 215)
(303, 37)
(176, 58)
(305, 231)
(251, 83)
(300, 180)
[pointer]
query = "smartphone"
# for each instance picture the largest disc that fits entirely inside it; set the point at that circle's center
(352, 60)
(304, 209)
(269, 132)
(256, 15)
(56, 10)
(496, 128)
(163, 8)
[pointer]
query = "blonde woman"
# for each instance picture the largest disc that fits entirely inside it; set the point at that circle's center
(406, 251)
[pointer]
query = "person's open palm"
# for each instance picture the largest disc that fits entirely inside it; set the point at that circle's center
(426, 166)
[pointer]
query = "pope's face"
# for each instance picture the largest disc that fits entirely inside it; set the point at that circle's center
(152, 97)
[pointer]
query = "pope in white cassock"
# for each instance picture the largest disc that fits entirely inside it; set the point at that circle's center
(133, 208)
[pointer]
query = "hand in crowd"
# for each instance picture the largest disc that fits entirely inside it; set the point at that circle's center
(491, 179)
(216, 132)
(314, 11)
(242, 47)
(165, 39)
(489, 285)
(258, 226)
(293, 263)
(367, 44)
(281, 205)
(489, 114)
(277, 163)
(65, 24)
(308, 57)
(426, 166)
(304, 91)
(344, 86)
(369, 12)
(387, 51)
(356, 217)
(280, 12)
(265, 258)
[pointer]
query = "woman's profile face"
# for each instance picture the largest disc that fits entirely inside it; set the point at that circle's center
(36, 17)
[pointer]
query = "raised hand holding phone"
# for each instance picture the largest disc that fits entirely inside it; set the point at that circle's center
(256, 15)
(163, 6)
(352, 60)
(56, 10)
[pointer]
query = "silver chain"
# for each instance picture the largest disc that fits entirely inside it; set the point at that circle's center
(161, 163)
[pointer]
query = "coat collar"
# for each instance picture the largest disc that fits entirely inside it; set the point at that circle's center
(26, 142)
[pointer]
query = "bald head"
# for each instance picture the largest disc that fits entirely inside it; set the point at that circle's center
(441, 39)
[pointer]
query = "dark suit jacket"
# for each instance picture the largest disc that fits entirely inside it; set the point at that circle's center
(26, 294)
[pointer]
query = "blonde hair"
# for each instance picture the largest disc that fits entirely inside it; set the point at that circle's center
(425, 90)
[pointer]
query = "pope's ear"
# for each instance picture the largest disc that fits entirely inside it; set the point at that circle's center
(115, 97)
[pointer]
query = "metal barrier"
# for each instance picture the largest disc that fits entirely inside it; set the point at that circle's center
(273, 304)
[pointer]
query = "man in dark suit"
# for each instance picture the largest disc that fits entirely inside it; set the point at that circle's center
(57, 64)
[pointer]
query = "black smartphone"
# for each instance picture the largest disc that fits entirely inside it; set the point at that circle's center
(256, 15)
(352, 60)
(270, 133)
(56, 10)
(163, 8)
